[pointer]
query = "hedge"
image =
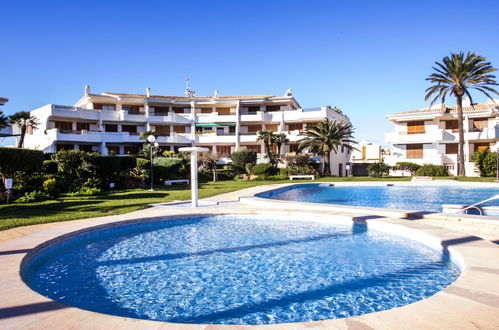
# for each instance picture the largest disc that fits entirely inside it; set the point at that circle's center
(23, 160)
(432, 170)
(262, 169)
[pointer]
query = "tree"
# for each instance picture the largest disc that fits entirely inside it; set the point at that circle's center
(325, 137)
(456, 76)
(242, 159)
(279, 140)
(147, 147)
(4, 120)
(208, 161)
(24, 120)
(143, 135)
(267, 136)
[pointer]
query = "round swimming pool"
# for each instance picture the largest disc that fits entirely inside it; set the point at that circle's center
(238, 270)
(393, 196)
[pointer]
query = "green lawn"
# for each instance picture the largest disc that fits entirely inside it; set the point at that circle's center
(72, 208)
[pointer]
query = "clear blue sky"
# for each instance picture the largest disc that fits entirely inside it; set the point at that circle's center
(369, 58)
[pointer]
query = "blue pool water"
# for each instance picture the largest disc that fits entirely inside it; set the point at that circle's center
(404, 197)
(238, 270)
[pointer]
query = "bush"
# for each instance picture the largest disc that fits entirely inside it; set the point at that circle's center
(34, 196)
(92, 182)
(378, 170)
(486, 162)
(14, 160)
(407, 166)
(49, 167)
(168, 168)
(70, 162)
(432, 170)
(282, 174)
(86, 192)
(307, 169)
(298, 160)
(262, 169)
(50, 187)
(243, 157)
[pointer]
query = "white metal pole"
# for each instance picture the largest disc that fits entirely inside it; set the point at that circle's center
(194, 178)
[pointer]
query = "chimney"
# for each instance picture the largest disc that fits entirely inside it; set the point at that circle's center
(87, 89)
(148, 92)
(216, 93)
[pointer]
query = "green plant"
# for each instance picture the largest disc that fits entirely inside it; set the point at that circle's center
(456, 76)
(241, 158)
(50, 187)
(486, 162)
(306, 169)
(24, 120)
(432, 170)
(14, 160)
(378, 170)
(86, 192)
(300, 159)
(262, 169)
(70, 162)
(92, 182)
(407, 166)
(325, 137)
(34, 196)
(168, 168)
(49, 167)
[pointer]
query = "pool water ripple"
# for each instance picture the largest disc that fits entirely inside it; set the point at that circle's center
(239, 270)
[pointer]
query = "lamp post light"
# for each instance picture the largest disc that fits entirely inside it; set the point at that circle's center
(153, 144)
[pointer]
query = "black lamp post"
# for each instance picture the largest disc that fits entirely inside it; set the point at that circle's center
(153, 144)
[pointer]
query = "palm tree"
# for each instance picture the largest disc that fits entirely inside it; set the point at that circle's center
(24, 120)
(267, 136)
(325, 137)
(279, 140)
(456, 76)
(143, 135)
(4, 121)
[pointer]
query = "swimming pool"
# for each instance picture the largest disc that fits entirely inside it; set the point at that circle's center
(393, 196)
(238, 270)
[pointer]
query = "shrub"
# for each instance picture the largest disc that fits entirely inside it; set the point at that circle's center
(298, 160)
(378, 170)
(50, 187)
(307, 169)
(168, 168)
(407, 166)
(262, 169)
(49, 167)
(432, 170)
(486, 162)
(14, 160)
(70, 162)
(34, 196)
(86, 192)
(92, 182)
(282, 174)
(243, 157)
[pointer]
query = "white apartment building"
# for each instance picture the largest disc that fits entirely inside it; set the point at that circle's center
(430, 135)
(365, 153)
(111, 123)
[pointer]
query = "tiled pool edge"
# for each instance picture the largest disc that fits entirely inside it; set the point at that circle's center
(472, 299)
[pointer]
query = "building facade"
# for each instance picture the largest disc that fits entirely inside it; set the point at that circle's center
(111, 123)
(364, 154)
(430, 136)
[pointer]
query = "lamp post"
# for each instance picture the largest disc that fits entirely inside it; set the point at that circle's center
(153, 144)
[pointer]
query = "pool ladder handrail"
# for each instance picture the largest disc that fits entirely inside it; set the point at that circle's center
(475, 206)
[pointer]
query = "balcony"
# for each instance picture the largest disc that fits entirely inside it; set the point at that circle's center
(487, 133)
(435, 159)
(215, 138)
(428, 136)
(215, 118)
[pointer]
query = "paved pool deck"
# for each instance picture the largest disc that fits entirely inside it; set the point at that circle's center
(472, 302)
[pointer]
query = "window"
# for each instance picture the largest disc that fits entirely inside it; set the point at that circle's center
(162, 130)
(206, 110)
(220, 131)
(272, 127)
(414, 151)
(342, 149)
(232, 129)
(161, 110)
(129, 128)
(254, 128)
(180, 129)
(270, 108)
(111, 127)
(480, 124)
(83, 126)
(105, 106)
(252, 109)
(223, 150)
(130, 108)
(131, 150)
(85, 147)
(451, 148)
(255, 147)
(293, 148)
(178, 109)
(295, 126)
(452, 124)
(113, 150)
(223, 111)
(415, 127)
(64, 126)
(60, 147)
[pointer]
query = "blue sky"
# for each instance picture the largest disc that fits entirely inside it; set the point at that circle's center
(369, 58)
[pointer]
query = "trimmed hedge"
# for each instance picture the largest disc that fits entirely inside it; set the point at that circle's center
(22, 160)
(262, 169)
(168, 168)
(432, 170)
(407, 166)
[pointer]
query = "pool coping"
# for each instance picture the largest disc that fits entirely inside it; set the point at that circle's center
(471, 301)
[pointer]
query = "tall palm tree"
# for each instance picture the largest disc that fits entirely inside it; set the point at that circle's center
(143, 135)
(279, 140)
(325, 137)
(24, 120)
(4, 120)
(456, 76)
(267, 136)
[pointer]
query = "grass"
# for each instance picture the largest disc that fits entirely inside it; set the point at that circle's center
(124, 201)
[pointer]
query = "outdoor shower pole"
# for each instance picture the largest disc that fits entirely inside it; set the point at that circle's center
(194, 172)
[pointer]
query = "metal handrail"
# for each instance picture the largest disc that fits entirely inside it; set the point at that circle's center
(475, 206)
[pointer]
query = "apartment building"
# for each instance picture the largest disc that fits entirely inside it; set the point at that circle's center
(430, 135)
(111, 123)
(365, 153)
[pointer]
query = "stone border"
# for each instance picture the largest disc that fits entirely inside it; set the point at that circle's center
(471, 301)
